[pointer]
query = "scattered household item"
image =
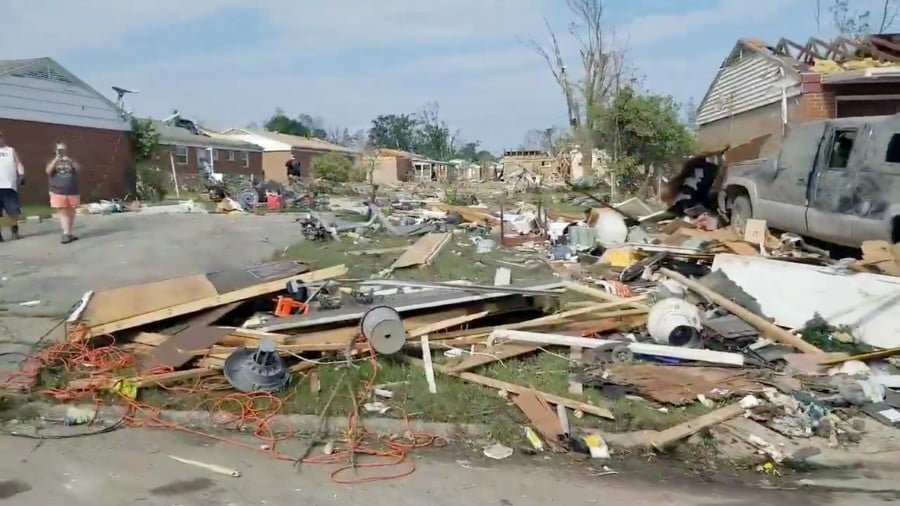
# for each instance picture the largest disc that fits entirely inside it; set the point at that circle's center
(256, 370)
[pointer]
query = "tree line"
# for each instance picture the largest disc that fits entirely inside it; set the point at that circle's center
(422, 132)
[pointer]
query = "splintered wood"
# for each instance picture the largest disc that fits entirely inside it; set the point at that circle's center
(423, 252)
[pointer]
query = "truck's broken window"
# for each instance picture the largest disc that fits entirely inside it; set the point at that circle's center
(840, 149)
(893, 150)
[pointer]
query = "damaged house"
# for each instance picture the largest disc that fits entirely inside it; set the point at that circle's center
(761, 89)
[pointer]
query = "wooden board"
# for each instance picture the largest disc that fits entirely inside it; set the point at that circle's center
(541, 415)
(489, 355)
(107, 306)
(512, 388)
(197, 305)
(197, 336)
(423, 251)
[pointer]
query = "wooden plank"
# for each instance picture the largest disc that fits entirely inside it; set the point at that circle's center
(755, 231)
(664, 438)
(423, 251)
(512, 388)
(218, 300)
(117, 304)
(150, 338)
(765, 327)
(873, 355)
(489, 355)
(541, 415)
(742, 248)
(199, 335)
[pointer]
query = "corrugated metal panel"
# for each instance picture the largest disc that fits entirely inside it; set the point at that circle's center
(746, 85)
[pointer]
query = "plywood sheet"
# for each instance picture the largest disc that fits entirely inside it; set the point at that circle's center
(423, 251)
(197, 336)
(112, 305)
(489, 355)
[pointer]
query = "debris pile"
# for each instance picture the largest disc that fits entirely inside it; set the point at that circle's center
(764, 339)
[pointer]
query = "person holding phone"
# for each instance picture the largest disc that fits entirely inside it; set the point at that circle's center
(12, 176)
(62, 172)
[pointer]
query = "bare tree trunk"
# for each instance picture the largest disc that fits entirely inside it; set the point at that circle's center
(602, 65)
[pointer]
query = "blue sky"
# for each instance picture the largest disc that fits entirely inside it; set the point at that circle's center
(230, 62)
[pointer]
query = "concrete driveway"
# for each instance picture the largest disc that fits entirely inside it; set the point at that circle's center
(118, 250)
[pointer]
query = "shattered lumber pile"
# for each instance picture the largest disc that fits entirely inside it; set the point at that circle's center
(742, 328)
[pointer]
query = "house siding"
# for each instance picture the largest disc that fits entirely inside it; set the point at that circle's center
(743, 86)
(105, 156)
(273, 165)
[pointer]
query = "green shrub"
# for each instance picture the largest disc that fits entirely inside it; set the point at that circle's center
(333, 167)
(152, 184)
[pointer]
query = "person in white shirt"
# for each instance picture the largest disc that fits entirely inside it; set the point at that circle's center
(12, 176)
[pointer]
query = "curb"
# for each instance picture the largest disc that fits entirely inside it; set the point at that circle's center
(280, 423)
(337, 426)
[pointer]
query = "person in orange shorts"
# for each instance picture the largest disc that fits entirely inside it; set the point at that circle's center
(62, 172)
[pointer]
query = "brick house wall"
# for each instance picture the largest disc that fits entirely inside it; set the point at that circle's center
(817, 101)
(188, 164)
(105, 156)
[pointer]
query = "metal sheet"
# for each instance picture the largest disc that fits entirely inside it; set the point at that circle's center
(351, 311)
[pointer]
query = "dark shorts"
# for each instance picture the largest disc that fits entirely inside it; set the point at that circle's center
(9, 202)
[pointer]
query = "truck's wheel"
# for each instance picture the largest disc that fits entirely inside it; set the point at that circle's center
(741, 211)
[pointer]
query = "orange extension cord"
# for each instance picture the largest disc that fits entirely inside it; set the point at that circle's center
(100, 364)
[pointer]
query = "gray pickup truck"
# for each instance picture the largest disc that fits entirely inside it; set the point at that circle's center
(834, 180)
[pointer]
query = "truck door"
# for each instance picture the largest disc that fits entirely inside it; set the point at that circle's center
(877, 184)
(782, 200)
(832, 185)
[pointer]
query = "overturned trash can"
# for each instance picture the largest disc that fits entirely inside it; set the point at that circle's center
(256, 369)
(383, 327)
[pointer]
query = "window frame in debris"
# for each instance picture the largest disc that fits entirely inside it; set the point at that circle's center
(892, 153)
(245, 159)
(841, 133)
(182, 152)
(231, 155)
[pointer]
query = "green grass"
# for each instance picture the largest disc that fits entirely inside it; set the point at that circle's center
(36, 210)
(456, 261)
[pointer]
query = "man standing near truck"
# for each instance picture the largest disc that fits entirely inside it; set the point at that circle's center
(12, 176)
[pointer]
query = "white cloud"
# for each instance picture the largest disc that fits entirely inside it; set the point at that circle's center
(314, 56)
(60, 27)
(655, 28)
(482, 62)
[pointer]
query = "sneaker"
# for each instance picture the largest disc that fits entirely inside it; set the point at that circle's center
(66, 239)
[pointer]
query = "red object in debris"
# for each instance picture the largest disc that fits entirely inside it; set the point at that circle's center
(273, 202)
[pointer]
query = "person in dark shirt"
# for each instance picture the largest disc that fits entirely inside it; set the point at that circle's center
(293, 167)
(62, 173)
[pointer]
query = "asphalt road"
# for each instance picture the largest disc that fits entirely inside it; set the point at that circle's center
(133, 467)
(118, 250)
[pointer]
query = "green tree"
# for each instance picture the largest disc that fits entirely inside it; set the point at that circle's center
(395, 131)
(648, 137)
(303, 125)
(433, 138)
(333, 167)
(604, 71)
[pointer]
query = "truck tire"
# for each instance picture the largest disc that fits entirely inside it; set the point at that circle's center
(741, 211)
